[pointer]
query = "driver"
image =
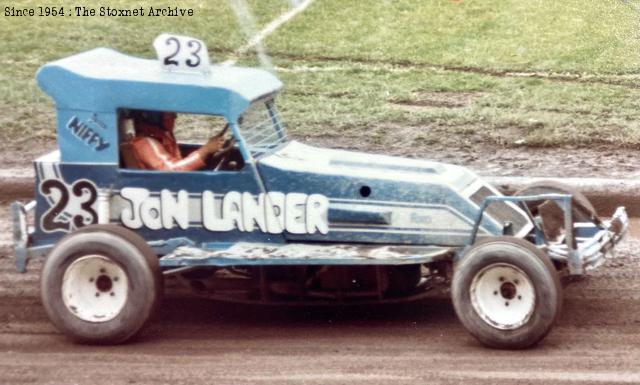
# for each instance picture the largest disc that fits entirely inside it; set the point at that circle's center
(154, 147)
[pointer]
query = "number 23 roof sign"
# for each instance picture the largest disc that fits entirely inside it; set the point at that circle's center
(182, 54)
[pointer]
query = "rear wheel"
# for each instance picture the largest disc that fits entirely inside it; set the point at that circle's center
(506, 293)
(101, 284)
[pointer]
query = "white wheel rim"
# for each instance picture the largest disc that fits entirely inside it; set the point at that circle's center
(503, 296)
(94, 288)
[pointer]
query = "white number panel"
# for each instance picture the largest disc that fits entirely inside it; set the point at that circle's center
(182, 53)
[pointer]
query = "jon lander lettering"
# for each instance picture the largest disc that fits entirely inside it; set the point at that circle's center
(273, 212)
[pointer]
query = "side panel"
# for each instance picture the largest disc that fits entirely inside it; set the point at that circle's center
(366, 210)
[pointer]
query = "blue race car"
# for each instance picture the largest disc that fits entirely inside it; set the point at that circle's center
(271, 220)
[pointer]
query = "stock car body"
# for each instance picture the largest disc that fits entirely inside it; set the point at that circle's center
(277, 221)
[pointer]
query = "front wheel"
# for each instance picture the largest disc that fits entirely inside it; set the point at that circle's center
(101, 284)
(506, 293)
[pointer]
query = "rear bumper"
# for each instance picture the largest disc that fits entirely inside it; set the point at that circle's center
(23, 242)
(21, 233)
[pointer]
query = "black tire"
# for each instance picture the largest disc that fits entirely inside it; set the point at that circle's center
(114, 249)
(583, 210)
(521, 257)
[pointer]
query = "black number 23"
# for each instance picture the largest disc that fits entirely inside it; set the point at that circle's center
(192, 61)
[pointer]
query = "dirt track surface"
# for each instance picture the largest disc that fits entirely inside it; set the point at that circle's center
(199, 341)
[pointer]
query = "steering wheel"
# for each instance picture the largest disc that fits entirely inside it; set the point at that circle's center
(220, 157)
(223, 131)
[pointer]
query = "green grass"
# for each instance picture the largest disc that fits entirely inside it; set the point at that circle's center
(502, 110)
(352, 67)
(571, 35)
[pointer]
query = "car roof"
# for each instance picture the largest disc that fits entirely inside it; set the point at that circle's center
(103, 80)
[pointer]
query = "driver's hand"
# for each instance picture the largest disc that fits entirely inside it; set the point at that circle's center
(214, 144)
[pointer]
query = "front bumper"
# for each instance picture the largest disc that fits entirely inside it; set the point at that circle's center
(583, 248)
(590, 251)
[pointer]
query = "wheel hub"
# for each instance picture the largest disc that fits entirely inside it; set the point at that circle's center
(104, 283)
(508, 290)
(94, 288)
(503, 296)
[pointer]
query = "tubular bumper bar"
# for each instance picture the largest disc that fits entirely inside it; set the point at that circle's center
(21, 234)
(581, 253)
(591, 251)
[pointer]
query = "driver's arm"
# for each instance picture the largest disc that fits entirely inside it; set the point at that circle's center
(213, 145)
(153, 156)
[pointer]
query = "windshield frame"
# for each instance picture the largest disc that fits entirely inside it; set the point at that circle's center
(260, 144)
